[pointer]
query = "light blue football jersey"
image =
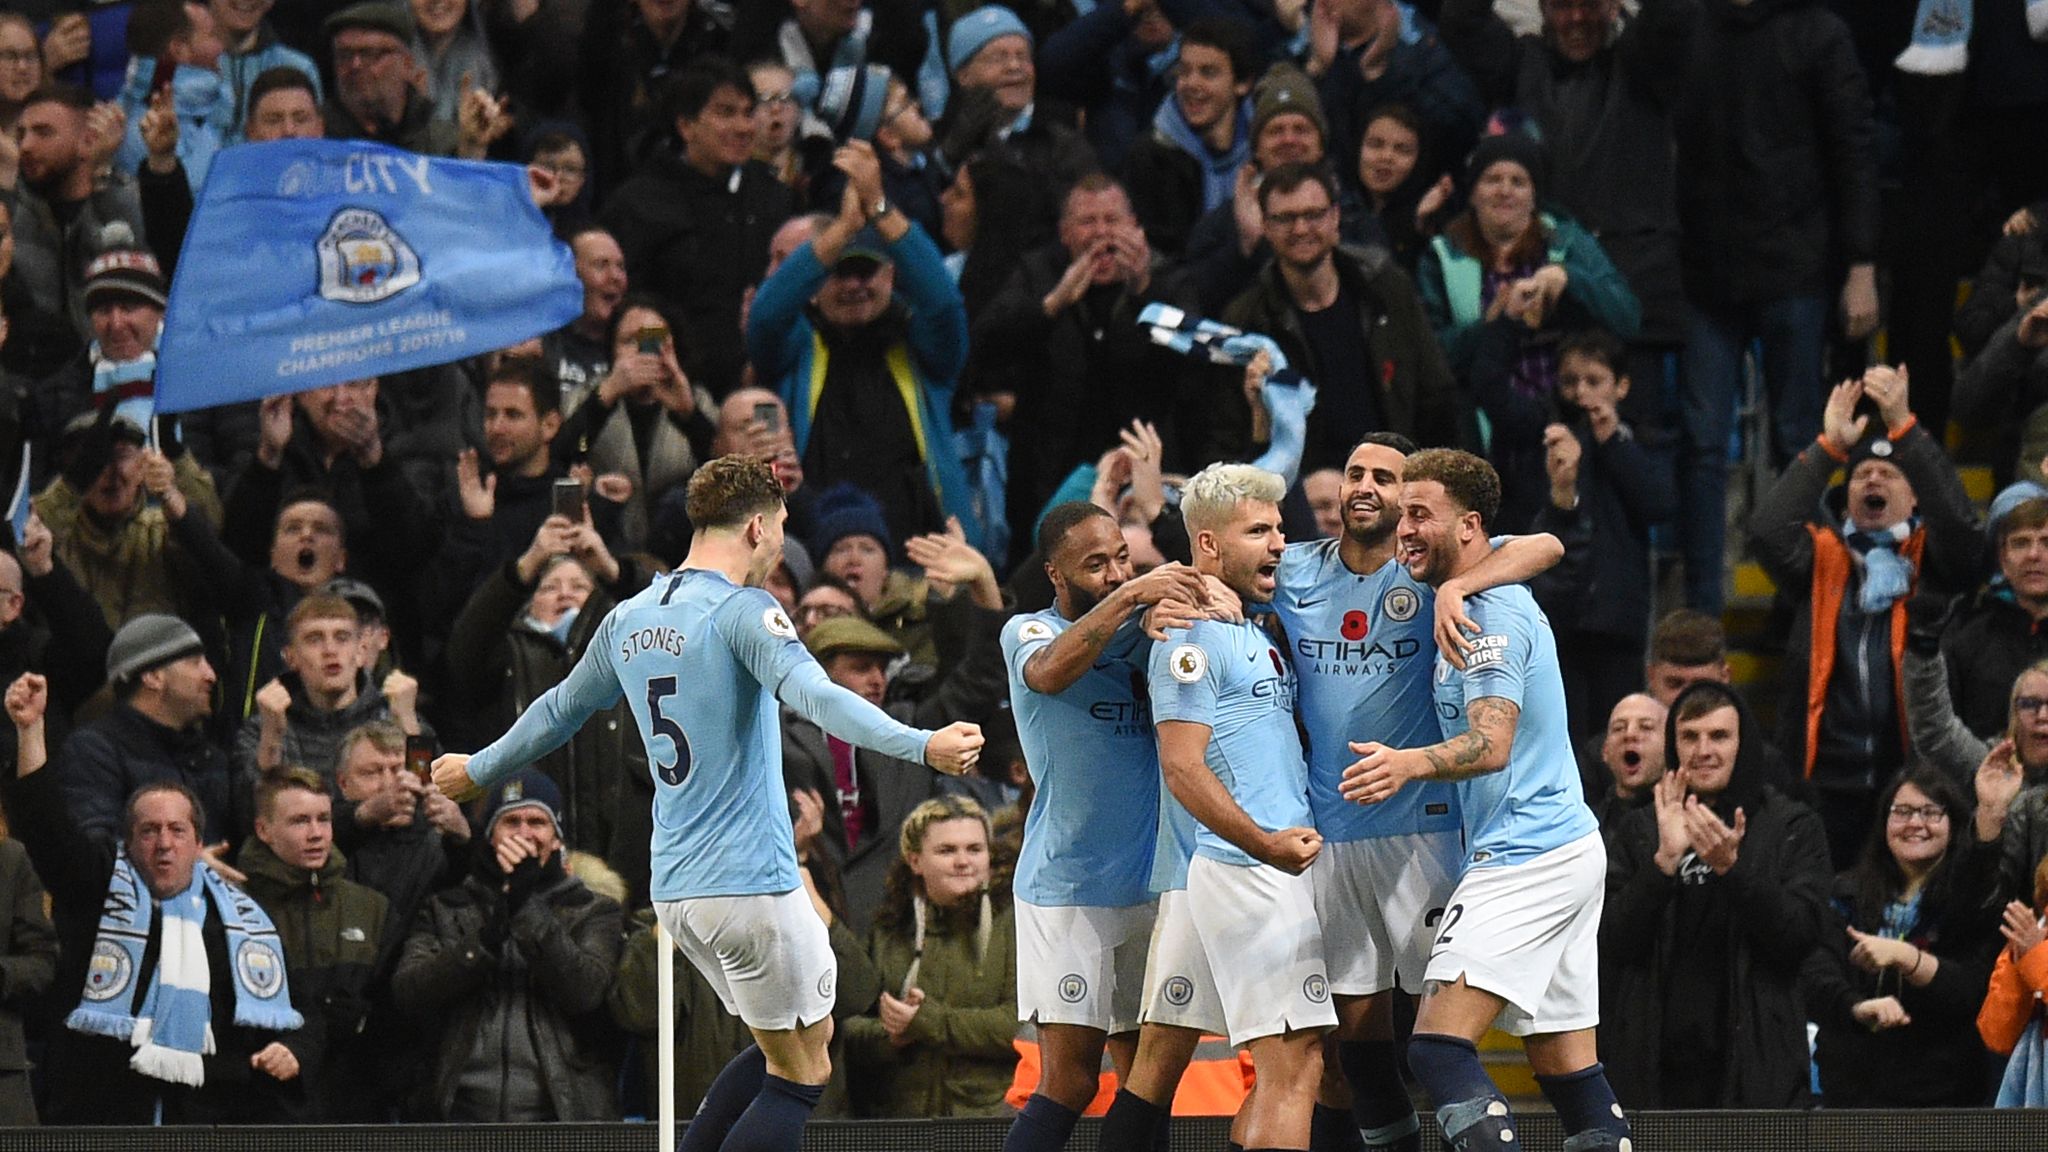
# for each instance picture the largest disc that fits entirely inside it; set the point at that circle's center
(1535, 804)
(1093, 826)
(1363, 652)
(1232, 678)
(699, 660)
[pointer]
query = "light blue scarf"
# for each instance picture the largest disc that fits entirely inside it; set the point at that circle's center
(1887, 576)
(2026, 1075)
(172, 1031)
(1941, 39)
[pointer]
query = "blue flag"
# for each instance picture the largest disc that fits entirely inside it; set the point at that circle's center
(312, 262)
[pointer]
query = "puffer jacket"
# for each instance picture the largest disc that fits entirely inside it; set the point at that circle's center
(549, 975)
(332, 929)
(960, 1059)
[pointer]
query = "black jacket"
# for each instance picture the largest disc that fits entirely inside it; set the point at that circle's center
(1418, 397)
(1776, 899)
(1777, 165)
(1081, 376)
(620, 69)
(28, 966)
(479, 967)
(1938, 1060)
(1985, 647)
(1607, 129)
(104, 762)
(698, 242)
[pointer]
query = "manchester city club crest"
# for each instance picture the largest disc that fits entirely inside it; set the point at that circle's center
(1400, 604)
(1179, 990)
(363, 260)
(107, 974)
(1316, 988)
(1073, 987)
(260, 967)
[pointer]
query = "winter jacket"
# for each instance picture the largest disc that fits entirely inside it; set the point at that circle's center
(1083, 375)
(1936, 1061)
(312, 735)
(548, 973)
(1776, 902)
(1418, 397)
(2023, 842)
(143, 564)
(2004, 387)
(1777, 166)
(2014, 998)
(1799, 541)
(50, 257)
(960, 1060)
(1420, 73)
(1095, 64)
(104, 762)
(206, 111)
(619, 71)
(417, 128)
(499, 665)
(1994, 289)
(238, 73)
(62, 634)
(332, 930)
(926, 348)
(1985, 647)
(1624, 488)
(698, 242)
(28, 966)
(1607, 129)
(1174, 177)
(1452, 283)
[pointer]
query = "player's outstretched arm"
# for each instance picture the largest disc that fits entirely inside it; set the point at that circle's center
(816, 698)
(1054, 668)
(1183, 758)
(1518, 560)
(546, 725)
(1380, 771)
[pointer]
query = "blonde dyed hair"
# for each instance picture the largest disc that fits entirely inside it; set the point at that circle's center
(1211, 496)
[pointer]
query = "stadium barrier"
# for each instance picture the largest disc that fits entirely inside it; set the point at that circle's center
(1927, 1131)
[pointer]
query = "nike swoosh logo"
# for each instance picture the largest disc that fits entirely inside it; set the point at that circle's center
(1310, 603)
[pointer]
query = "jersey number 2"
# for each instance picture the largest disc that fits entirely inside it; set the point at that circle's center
(675, 771)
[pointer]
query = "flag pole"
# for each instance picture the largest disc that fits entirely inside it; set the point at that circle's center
(665, 1037)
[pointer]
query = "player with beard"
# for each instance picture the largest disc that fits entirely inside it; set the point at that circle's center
(1084, 902)
(1358, 626)
(1223, 705)
(702, 657)
(1519, 942)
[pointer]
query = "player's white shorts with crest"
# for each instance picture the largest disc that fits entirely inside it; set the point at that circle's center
(1379, 901)
(1265, 947)
(769, 958)
(1179, 990)
(1082, 965)
(1530, 934)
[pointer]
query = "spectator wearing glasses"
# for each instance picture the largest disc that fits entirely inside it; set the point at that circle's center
(1900, 973)
(374, 97)
(21, 67)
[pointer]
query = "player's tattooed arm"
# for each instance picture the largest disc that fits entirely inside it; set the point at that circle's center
(1481, 748)
(1380, 771)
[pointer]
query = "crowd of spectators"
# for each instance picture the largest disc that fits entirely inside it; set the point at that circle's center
(943, 265)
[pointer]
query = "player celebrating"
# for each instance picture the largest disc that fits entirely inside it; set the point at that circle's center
(1359, 626)
(1519, 941)
(702, 656)
(1084, 908)
(1223, 704)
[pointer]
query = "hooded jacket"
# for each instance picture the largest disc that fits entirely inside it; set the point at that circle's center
(1774, 901)
(1174, 176)
(312, 735)
(332, 929)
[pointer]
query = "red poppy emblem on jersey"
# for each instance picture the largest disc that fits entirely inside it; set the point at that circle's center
(1355, 625)
(1277, 665)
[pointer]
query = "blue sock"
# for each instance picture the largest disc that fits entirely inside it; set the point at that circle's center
(1469, 1109)
(774, 1122)
(729, 1096)
(1379, 1097)
(1042, 1126)
(1586, 1107)
(1333, 1130)
(1132, 1122)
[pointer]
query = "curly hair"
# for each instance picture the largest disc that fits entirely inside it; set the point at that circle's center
(1468, 480)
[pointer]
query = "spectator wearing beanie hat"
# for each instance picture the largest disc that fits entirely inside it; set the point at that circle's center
(871, 104)
(520, 950)
(124, 307)
(1227, 246)
(1505, 266)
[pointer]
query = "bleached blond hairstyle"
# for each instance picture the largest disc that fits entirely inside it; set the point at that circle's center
(1211, 496)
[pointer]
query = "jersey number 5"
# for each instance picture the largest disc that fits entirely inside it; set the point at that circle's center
(675, 771)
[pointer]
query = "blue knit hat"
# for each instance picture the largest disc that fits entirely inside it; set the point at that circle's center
(844, 510)
(529, 788)
(972, 32)
(852, 100)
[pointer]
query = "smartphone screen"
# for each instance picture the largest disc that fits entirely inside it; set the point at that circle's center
(770, 416)
(569, 499)
(650, 340)
(419, 757)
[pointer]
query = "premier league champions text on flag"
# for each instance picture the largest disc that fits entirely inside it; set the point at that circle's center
(312, 262)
